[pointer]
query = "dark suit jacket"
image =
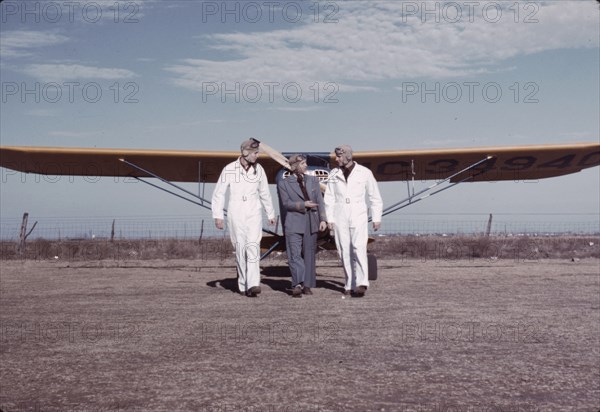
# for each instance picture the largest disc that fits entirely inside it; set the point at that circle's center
(291, 202)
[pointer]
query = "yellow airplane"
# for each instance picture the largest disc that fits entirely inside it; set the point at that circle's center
(447, 167)
(468, 164)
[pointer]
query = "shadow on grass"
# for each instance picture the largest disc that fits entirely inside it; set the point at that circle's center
(285, 286)
(276, 272)
(277, 278)
(230, 284)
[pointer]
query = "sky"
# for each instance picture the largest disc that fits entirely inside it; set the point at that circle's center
(302, 76)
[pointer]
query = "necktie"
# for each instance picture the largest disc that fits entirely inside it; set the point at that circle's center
(302, 187)
(346, 173)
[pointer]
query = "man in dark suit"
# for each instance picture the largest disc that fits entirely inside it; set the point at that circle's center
(303, 214)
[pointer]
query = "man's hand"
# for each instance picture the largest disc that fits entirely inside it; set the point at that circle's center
(331, 226)
(376, 226)
(310, 204)
(219, 224)
(272, 222)
(322, 226)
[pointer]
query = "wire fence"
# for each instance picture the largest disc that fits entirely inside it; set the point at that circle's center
(195, 227)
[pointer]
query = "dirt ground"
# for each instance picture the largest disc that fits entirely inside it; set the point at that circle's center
(468, 335)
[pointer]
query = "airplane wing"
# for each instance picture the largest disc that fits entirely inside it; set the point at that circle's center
(497, 163)
(172, 165)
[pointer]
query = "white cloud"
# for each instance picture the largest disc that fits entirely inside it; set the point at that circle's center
(64, 72)
(20, 43)
(373, 41)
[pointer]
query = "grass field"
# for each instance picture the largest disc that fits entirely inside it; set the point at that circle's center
(387, 247)
(510, 334)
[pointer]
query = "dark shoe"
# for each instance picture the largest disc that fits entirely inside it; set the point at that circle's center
(307, 291)
(360, 291)
(253, 292)
(297, 291)
(347, 293)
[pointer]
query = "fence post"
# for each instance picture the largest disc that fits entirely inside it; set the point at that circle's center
(489, 226)
(201, 232)
(24, 234)
(21, 247)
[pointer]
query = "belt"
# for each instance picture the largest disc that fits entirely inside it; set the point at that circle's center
(348, 200)
(244, 198)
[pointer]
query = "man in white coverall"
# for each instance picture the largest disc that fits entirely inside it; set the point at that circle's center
(248, 188)
(346, 208)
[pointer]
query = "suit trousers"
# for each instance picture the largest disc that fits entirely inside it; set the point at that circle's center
(301, 250)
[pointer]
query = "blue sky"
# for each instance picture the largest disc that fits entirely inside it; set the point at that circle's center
(162, 70)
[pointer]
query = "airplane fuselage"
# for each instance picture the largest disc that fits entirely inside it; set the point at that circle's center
(318, 165)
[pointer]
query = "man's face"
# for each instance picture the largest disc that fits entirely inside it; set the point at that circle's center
(301, 168)
(251, 158)
(341, 159)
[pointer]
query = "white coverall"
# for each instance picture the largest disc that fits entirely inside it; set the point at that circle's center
(346, 208)
(247, 190)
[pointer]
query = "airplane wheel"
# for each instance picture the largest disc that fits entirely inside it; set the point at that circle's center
(372, 261)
